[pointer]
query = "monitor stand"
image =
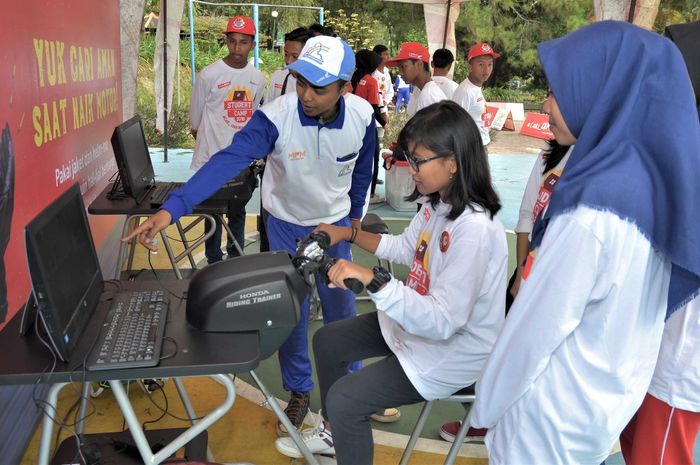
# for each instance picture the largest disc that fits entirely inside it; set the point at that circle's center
(29, 313)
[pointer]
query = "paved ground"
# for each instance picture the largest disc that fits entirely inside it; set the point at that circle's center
(511, 142)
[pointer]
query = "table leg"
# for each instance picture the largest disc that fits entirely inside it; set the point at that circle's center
(47, 424)
(190, 410)
(183, 238)
(80, 425)
(293, 433)
(171, 255)
(140, 438)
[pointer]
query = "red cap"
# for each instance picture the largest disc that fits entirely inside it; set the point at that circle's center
(410, 51)
(240, 24)
(481, 49)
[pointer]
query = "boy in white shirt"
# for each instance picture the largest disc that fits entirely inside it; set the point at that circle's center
(480, 60)
(442, 64)
(224, 97)
(282, 81)
(412, 61)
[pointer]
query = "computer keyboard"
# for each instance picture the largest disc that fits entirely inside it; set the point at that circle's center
(132, 334)
(161, 191)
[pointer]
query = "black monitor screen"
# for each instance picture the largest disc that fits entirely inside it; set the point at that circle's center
(64, 269)
(133, 160)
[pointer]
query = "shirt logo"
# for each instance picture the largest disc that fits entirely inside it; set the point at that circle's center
(238, 106)
(223, 84)
(419, 278)
(545, 193)
(345, 170)
(298, 155)
(315, 53)
(444, 241)
(426, 213)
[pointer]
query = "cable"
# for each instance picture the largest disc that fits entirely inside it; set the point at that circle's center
(174, 352)
(150, 263)
(165, 412)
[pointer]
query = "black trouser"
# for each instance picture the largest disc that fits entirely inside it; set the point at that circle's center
(375, 173)
(348, 399)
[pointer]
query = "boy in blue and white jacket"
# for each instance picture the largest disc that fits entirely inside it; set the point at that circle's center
(319, 145)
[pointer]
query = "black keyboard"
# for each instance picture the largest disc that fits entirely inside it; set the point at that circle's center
(161, 191)
(132, 334)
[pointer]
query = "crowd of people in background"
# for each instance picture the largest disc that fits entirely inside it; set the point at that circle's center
(602, 306)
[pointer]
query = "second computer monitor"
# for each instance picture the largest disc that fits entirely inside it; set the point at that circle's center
(134, 162)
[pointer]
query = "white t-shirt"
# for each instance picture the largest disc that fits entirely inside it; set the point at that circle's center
(472, 99)
(386, 89)
(421, 98)
(274, 88)
(676, 379)
(443, 322)
(447, 85)
(538, 191)
(223, 100)
(577, 352)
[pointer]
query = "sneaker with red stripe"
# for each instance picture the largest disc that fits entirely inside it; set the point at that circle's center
(448, 432)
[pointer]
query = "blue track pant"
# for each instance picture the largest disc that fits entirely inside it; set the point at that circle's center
(337, 304)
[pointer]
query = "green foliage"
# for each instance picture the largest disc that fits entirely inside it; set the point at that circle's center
(357, 29)
(676, 12)
(503, 94)
(460, 70)
(515, 27)
(393, 22)
(416, 34)
(179, 120)
(396, 123)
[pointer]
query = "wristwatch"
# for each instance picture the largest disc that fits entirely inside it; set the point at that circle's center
(381, 277)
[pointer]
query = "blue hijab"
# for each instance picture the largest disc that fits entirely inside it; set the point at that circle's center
(625, 95)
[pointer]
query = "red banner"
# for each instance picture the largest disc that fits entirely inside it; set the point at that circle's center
(60, 99)
(537, 125)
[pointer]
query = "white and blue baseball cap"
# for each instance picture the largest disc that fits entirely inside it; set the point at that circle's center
(324, 60)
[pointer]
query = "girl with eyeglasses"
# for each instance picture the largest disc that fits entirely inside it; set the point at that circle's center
(436, 330)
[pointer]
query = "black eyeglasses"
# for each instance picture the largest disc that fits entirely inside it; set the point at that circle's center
(415, 163)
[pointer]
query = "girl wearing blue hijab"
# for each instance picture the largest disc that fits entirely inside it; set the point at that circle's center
(621, 238)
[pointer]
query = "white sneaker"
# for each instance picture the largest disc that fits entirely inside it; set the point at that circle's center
(376, 199)
(319, 441)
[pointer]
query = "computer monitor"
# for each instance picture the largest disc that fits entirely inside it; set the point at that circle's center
(134, 162)
(64, 270)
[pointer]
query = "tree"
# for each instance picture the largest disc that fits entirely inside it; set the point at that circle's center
(393, 22)
(515, 27)
(676, 12)
(639, 12)
(357, 29)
